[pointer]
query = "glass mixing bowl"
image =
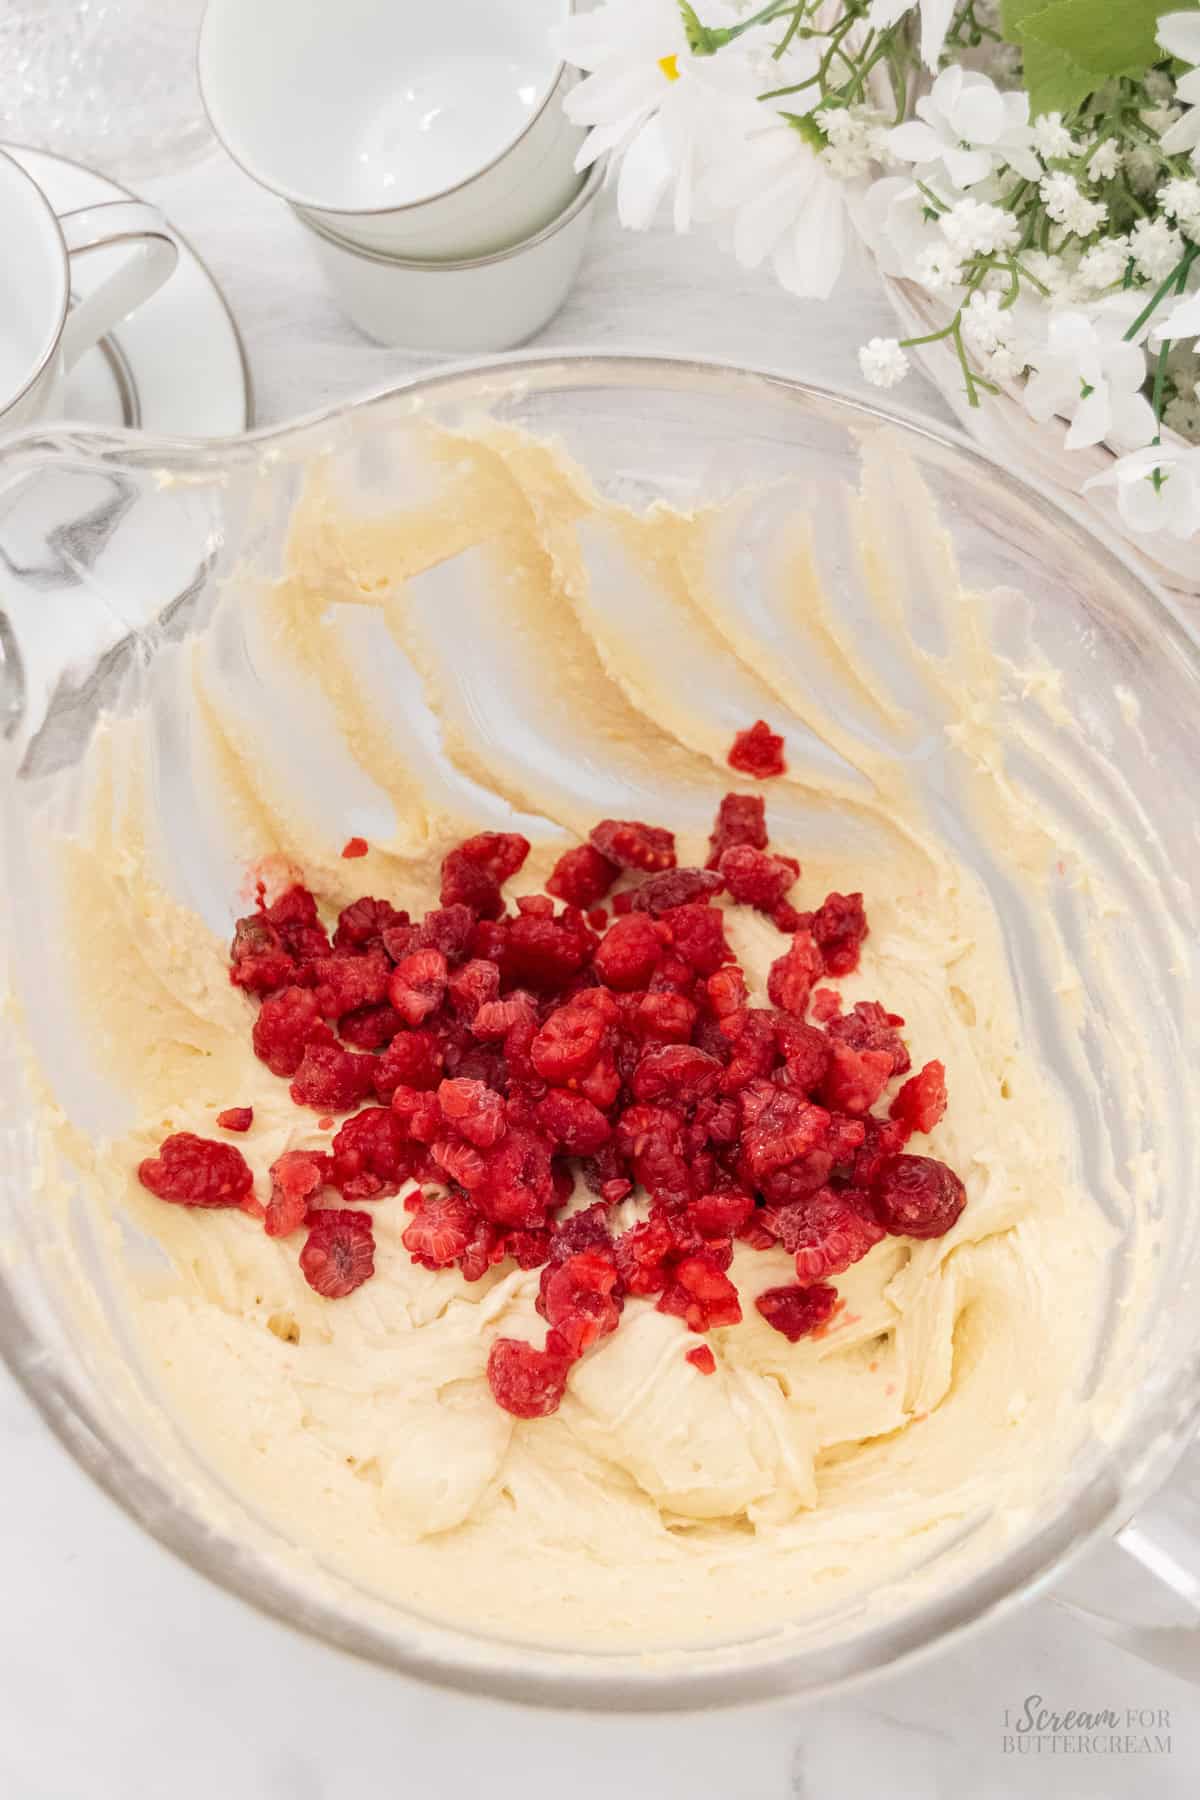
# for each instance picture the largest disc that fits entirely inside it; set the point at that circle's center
(113, 549)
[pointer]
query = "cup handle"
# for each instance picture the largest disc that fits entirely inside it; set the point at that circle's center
(155, 254)
(1163, 1538)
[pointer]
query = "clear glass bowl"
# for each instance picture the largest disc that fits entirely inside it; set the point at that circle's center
(112, 548)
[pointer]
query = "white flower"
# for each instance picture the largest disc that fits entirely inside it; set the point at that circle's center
(1179, 35)
(1155, 248)
(1052, 271)
(1051, 137)
(1069, 207)
(1105, 161)
(975, 228)
(1183, 321)
(897, 222)
(1104, 265)
(1004, 363)
(1141, 168)
(985, 325)
(938, 269)
(1085, 371)
(935, 23)
(855, 140)
(1159, 119)
(1158, 488)
(1158, 86)
(968, 126)
(1180, 200)
(883, 362)
(1183, 415)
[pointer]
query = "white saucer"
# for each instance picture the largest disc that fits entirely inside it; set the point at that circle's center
(176, 366)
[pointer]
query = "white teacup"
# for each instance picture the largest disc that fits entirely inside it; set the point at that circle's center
(431, 131)
(41, 334)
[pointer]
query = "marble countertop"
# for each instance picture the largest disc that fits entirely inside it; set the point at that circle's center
(125, 1676)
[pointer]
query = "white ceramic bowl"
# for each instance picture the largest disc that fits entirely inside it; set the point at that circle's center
(431, 131)
(474, 303)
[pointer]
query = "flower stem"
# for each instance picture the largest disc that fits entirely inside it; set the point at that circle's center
(1177, 277)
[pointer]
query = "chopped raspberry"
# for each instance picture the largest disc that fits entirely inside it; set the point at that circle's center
(526, 1382)
(449, 929)
(868, 1027)
(602, 1083)
(677, 887)
(581, 1297)
(371, 1156)
(331, 1079)
(597, 918)
(698, 934)
(294, 917)
(419, 1113)
(854, 1079)
(370, 1027)
(586, 1229)
(351, 979)
(440, 1231)
(258, 960)
(825, 1233)
(499, 853)
(412, 1059)
(921, 1102)
(673, 976)
(714, 1122)
(700, 1293)
(473, 1109)
(472, 874)
(702, 1358)
(582, 876)
(806, 1052)
(569, 1043)
(286, 1025)
(740, 820)
(726, 991)
(460, 1162)
(675, 1070)
(519, 1185)
(778, 1127)
(485, 1248)
(882, 1139)
(795, 1180)
(642, 1254)
(797, 1311)
(196, 1171)
(839, 925)
(846, 1138)
(622, 903)
(722, 1215)
(632, 845)
(472, 985)
(528, 1249)
(754, 1048)
(339, 1252)
(628, 953)
(753, 878)
(496, 1018)
(543, 953)
(417, 984)
(296, 1178)
(785, 918)
(577, 1127)
(236, 1118)
(826, 1004)
(355, 846)
(664, 1018)
(790, 979)
(361, 925)
(757, 751)
(915, 1196)
(613, 1192)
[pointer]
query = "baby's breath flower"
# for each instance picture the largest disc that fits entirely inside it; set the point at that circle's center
(938, 269)
(976, 228)
(1051, 137)
(1183, 416)
(1158, 86)
(1141, 168)
(1068, 206)
(1104, 265)
(883, 362)
(1155, 248)
(1159, 119)
(856, 140)
(986, 328)
(1052, 271)
(1105, 161)
(1179, 199)
(1004, 363)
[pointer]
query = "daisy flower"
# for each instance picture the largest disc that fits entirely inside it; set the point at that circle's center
(1158, 489)
(1084, 370)
(1179, 35)
(969, 128)
(936, 16)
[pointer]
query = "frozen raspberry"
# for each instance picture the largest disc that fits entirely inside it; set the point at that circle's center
(528, 1249)
(526, 1382)
(597, 918)
(419, 1113)
(297, 1177)
(757, 751)
(790, 979)
(795, 1180)
(806, 1053)
(569, 1043)
(702, 1358)
(474, 1110)
(339, 1252)
(460, 1162)
(882, 1139)
(778, 1127)
(643, 1254)
(485, 1248)
(582, 876)
(677, 887)
(854, 1079)
(846, 1138)
(543, 953)
(825, 1233)
(581, 1298)
(826, 1004)
(622, 903)
(714, 1121)
(673, 976)
(294, 917)
(286, 1025)
(726, 991)
(236, 1118)
(331, 1079)
(412, 1059)
(701, 1294)
(371, 1156)
(797, 1311)
(722, 1215)
(586, 1229)
(196, 1171)
(752, 1038)
(472, 985)
(577, 1127)
(417, 985)
(664, 1018)
(370, 1027)
(519, 1185)
(348, 980)
(472, 873)
(440, 1231)
(868, 1027)
(628, 953)
(496, 1018)
(361, 925)
(753, 878)
(839, 926)
(355, 846)
(785, 918)
(740, 820)
(499, 853)
(921, 1102)
(632, 845)
(698, 935)
(258, 960)
(675, 1071)
(914, 1196)
(449, 929)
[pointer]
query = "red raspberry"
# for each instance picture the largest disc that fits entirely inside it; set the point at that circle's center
(417, 984)
(664, 1018)
(825, 1233)
(790, 979)
(296, 1178)
(577, 1127)
(371, 1155)
(412, 1059)
(236, 1118)
(726, 991)
(854, 1079)
(355, 846)
(348, 980)
(826, 1004)
(755, 879)
(339, 1252)
(418, 1112)
(528, 1249)
(196, 1171)
(361, 925)
(806, 1052)
(449, 929)
(474, 1110)
(440, 1231)
(500, 854)
(582, 876)
(460, 1162)
(914, 1196)
(740, 820)
(778, 1127)
(526, 1382)
(698, 934)
(702, 1358)
(496, 1018)
(581, 1298)
(797, 1311)
(586, 1229)
(331, 1079)
(868, 1027)
(881, 1140)
(543, 953)
(642, 1255)
(754, 1049)
(370, 1027)
(675, 1070)
(632, 845)
(472, 986)
(258, 960)
(677, 887)
(785, 918)
(629, 951)
(722, 1215)
(519, 1185)
(569, 1043)
(839, 925)
(286, 1025)
(921, 1102)
(757, 751)
(294, 917)
(700, 1293)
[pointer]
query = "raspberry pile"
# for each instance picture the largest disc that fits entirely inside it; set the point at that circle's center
(488, 1056)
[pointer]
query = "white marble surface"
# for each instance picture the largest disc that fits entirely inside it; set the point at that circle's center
(124, 1676)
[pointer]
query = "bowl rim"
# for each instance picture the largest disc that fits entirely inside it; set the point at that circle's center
(615, 1682)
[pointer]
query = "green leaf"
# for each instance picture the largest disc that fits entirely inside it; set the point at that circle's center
(1056, 82)
(1107, 37)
